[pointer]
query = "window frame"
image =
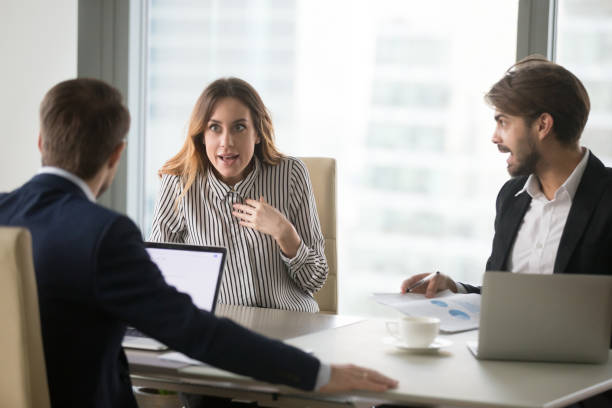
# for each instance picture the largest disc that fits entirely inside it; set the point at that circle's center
(124, 27)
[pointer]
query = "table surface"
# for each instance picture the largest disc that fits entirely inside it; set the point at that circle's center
(450, 376)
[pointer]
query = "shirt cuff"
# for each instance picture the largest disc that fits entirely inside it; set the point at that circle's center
(460, 288)
(298, 259)
(323, 376)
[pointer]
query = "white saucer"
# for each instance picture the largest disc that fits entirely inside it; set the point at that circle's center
(436, 345)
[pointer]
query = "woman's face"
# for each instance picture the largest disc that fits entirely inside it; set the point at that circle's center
(230, 140)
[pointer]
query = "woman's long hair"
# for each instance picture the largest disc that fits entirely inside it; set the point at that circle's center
(192, 158)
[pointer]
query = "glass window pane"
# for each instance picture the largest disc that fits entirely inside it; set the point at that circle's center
(584, 41)
(393, 89)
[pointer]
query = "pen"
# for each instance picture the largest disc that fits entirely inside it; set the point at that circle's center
(422, 281)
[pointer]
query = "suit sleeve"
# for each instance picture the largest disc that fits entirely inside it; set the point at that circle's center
(308, 268)
(498, 211)
(129, 286)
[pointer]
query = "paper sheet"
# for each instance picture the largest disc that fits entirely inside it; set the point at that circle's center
(180, 357)
(457, 312)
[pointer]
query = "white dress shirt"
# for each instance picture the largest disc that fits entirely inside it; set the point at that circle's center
(537, 241)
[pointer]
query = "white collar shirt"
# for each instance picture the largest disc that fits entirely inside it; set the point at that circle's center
(537, 241)
(71, 177)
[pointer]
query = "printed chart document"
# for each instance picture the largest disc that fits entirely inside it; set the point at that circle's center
(457, 312)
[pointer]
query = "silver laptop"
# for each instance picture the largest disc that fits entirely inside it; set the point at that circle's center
(194, 270)
(557, 318)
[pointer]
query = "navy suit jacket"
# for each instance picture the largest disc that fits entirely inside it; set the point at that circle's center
(586, 242)
(94, 276)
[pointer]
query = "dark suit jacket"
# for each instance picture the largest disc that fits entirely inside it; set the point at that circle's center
(94, 276)
(586, 242)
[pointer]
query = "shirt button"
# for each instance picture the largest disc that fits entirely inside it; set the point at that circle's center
(539, 245)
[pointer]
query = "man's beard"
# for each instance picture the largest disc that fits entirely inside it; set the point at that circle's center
(526, 162)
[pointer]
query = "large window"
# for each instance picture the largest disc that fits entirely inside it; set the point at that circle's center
(584, 41)
(393, 89)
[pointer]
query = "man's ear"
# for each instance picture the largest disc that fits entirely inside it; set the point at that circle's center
(544, 125)
(40, 142)
(113, 160)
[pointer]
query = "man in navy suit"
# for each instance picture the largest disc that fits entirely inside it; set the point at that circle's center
(94, 275)
(555, 214)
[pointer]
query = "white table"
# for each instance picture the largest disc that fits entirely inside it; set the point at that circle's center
(450, 377)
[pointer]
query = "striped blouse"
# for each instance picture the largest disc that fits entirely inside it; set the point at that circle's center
(257, 273)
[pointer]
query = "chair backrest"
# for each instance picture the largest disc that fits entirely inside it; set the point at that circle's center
(23, 376)
(323, 178)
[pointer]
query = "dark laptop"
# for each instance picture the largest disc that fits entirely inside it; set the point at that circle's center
(194, 270)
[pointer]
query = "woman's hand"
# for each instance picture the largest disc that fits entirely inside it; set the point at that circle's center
(264, 218)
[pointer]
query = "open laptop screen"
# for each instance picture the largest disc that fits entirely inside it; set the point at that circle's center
(194, 270)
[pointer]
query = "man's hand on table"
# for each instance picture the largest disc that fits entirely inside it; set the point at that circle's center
(350, 377)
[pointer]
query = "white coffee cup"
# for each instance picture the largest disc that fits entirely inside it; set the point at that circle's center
(414, 331)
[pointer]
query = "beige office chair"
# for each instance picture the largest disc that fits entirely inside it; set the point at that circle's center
(23, 376)
(323, 178)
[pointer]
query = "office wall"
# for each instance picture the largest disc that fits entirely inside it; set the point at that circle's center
(38, 48)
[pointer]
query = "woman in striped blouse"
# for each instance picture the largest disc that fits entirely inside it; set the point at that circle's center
(229, 186)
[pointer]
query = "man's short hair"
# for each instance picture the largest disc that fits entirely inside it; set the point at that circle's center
(82, 121)
(534, 86)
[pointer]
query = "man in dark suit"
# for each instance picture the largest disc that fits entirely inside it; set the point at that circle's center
(94, 275)
(555, 214)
